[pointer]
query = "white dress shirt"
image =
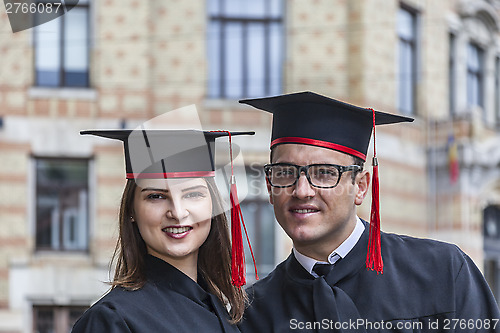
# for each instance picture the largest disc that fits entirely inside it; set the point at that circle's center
(340, 252)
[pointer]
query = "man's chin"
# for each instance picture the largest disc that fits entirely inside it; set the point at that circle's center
(303, 237)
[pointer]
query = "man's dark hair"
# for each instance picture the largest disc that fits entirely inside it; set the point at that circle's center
(361, 163)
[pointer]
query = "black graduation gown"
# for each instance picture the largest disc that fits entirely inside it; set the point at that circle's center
(169, 302)
(427, 286)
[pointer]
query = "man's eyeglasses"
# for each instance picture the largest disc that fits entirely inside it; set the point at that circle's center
(318, 175)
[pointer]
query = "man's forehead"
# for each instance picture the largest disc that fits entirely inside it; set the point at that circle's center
(307, 154)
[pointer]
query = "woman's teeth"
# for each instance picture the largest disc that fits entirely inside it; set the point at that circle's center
(177, 230)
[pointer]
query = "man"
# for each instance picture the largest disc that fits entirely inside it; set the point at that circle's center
(315, 181)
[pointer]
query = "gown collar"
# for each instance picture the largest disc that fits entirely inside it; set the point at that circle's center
(339, 253)
(163, 274)
(347, 267)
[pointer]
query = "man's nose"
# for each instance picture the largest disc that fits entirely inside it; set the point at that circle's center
(303, 189)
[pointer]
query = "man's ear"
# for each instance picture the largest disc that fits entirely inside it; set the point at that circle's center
(362, 183)
(269, 191)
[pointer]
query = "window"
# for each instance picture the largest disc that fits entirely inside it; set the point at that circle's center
(491, 234)
(55, 319)
(474, 75)
(497, 92)
(407, 33)
(260, 224)
(452, 75)
(259, 221)
(61, 204)
(62, 49)
(245, 43)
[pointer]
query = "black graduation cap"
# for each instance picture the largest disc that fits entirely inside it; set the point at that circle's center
(309, 118)
(151, 153)
(312, 119)
(163, 154)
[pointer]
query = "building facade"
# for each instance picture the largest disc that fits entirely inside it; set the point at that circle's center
(117, 64)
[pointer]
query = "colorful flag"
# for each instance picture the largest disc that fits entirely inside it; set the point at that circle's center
(453, 166)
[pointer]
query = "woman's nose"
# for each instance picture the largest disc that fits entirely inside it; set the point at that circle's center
(176, 210)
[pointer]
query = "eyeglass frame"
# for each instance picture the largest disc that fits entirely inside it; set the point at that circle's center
(340, 168)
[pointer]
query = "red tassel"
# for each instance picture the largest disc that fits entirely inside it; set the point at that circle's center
(237, 252)
(374, 254)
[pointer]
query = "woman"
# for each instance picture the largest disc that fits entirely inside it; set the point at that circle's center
(173, 255)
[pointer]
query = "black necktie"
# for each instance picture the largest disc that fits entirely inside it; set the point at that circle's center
(322, 269)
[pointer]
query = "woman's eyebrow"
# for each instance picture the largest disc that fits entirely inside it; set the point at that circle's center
(166, 190)
(154, 189)
(194, 187)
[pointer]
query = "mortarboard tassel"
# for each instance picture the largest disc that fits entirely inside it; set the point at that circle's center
(237, 254)
(374, 255)
(237, 251)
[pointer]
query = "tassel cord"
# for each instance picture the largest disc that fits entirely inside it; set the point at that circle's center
(374, 254)
(237, 251)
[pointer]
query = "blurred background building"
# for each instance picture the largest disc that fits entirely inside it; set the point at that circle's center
(118, 63)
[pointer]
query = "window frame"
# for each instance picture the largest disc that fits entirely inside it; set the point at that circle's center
(496, 116)
(478, 74)
(63, 244)
(491, 247)
(256, 241)
(61, 316)
(413, 44)
(223, 22)
(61, 43)
(452, 73)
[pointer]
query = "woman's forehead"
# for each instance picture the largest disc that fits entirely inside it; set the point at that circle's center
(169, 184)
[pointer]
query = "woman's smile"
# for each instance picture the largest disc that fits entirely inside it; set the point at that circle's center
(177, 232)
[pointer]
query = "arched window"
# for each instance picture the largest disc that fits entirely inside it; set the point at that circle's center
(473, 61)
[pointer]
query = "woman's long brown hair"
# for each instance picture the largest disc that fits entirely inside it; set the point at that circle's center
(214, 256)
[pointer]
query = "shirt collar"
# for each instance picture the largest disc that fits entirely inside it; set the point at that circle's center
(340, 252)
